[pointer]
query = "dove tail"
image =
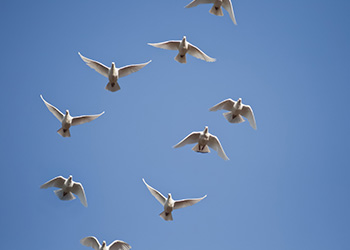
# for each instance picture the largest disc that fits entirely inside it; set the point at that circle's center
(205, 149)
(113, 87)
(181, 58)
(232, 118)
(217, 11)
(64, 196)
(166, 216)
(64, 132)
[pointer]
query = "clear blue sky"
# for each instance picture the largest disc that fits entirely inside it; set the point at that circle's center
(286, 185)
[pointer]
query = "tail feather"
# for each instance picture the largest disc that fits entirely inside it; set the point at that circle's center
(204, 150)
(113, 87)
(217, 11)
(181, 58)
(233, 119)
(64, 132)
(65, 197)
(166, 216)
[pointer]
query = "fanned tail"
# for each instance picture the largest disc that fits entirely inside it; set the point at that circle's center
(65, 197)
(166, 216)
(217, 11)
(64, 132)
(181, 58)
(113, 87)
(233, 119)
(204, 150)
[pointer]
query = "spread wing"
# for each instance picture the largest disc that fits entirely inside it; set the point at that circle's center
(79, 191)
(247, 112)
(155, 193)
(215, 144)
(228, 7)
(187, 202)
(55, 182)
(196, 52)
(99, 67)
(119, 245)
(190, 139)
(194, 3)
(53, 110)
(171, 45)
(91, 241)
(226, 104)
(127, 70)
(84, 119)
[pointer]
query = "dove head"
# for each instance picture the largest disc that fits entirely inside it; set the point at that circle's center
(169, 195)
(67, 112)
(103, 244)
(239, 100)
(206, 129)
(184, 38)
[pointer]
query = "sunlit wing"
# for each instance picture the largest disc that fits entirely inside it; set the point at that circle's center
(171, 45)
(84, 119)
(58, 114)
(247, 112)
(190, 139)
(119, 245)
(55, 182)
(196, 52)
(187, 202)
(99, 67)
(194, 3)
(228, 7)
(226, 105)
(91, 241)
(127, 70)
(215, 144)
(155, 193)
(79, 191)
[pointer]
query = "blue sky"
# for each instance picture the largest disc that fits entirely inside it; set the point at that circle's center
(286, 185)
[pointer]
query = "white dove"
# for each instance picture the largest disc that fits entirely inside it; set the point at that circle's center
(113, 73)
(216, 9)
(170, 204)
(183, 47)
(91, 241)
(237, 110)
(67, 187)
(203, 140)
(67, 120)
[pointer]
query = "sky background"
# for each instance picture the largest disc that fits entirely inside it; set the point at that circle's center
(286, 185)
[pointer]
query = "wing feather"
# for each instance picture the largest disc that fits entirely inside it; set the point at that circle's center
(84, 119)
(119, 245)
(170, 45)
(228, 7)
(194, 3)
(247, 112)
(155, 193)
(187, 202)
(55, 182)
(225, 104)
(79, 191)
(215, 144)
(127, 70)
(55, 111)
(190, 139)
(99, 67)
(196, 52)
(91, 241)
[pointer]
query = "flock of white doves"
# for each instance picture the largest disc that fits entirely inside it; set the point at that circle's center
(203, 139)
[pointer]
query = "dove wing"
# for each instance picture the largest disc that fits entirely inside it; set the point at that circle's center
(190, 139)
(53, 110)
(171, 45)
(228, 7)
(119, 245)
(226, 104)
(187, 202)
(84, 119)
(99, 67)
(155, 193)
(91, 241)
(55, 182)
(247, 112)
(215, 144)
(196, 52)
(79, 191)
(194, 3)
(127, 70)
